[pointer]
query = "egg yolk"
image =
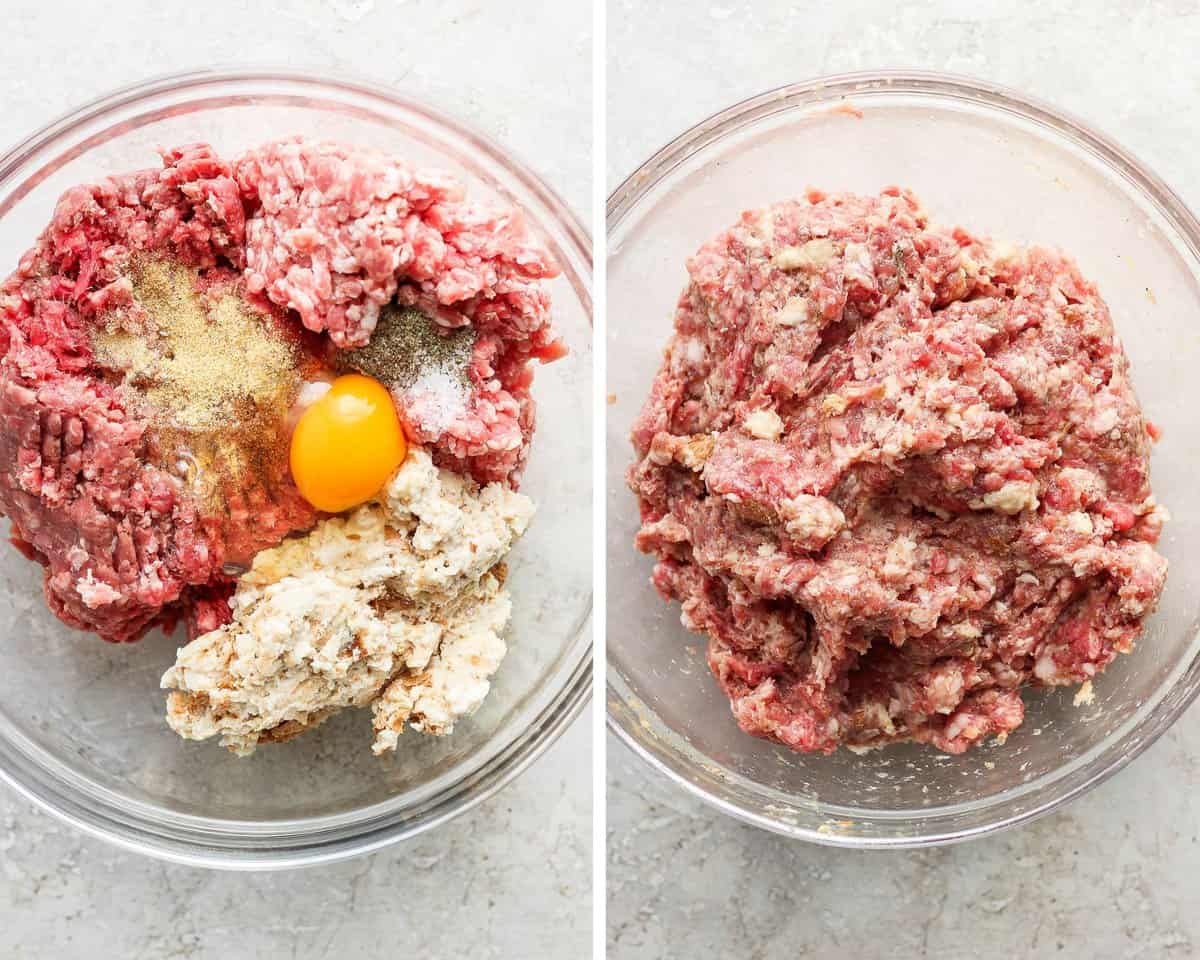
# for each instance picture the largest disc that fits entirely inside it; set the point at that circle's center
(347, 445)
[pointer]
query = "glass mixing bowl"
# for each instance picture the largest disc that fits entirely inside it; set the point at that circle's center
(81, 721)
(996, 163)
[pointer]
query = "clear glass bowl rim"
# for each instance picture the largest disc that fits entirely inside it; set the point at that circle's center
(919, 829)
(247, 845)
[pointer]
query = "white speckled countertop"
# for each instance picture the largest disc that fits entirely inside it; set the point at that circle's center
(1114, 874)
(511, 878)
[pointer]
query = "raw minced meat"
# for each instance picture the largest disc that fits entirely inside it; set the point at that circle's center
(340, 232)
(894, 473)
(123, 538)
(101, 493)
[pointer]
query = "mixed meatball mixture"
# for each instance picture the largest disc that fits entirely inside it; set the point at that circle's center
(895, 473)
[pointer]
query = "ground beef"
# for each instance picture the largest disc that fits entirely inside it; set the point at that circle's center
(894, 473)
(119, 534)
(312, 235)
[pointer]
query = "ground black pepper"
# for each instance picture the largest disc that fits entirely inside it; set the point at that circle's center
(407, 344)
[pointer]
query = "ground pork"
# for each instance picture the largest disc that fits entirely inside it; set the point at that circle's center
(339, 232)
(894, 473)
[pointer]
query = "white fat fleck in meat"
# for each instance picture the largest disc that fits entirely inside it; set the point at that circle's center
(1084, 484)
(95, 593)
(1104, 419)
(694, 351)
(899, 558)
(766, 226)
(945, 688)
(971, 421)
(1044, 668)
(1080, 522)
(857, 267)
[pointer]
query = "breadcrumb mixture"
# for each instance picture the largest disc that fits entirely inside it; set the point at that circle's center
(399, 604)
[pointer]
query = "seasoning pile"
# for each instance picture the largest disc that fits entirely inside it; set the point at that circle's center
(215, 377)
(425, 364)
